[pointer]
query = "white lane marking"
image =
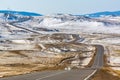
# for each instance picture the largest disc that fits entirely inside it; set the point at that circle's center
(51, 75)
(90, 75)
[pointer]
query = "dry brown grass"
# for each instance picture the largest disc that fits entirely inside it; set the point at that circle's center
(105, 74)
(117, 52)
(117, 72)
(19, 53)
(17, 69)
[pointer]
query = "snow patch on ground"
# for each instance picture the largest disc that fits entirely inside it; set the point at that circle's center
(86, 61)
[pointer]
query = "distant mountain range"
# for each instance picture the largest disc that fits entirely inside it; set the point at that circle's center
(98, 14)
(105, 13)
(20, 13)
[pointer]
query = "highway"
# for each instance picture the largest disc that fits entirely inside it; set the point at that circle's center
(79, 74)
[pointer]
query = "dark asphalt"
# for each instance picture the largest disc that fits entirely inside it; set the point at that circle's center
(80, 74)
(98, 62)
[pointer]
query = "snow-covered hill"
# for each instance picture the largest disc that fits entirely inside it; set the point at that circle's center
(106, 13)
(20, 13)
(65, 23)
(72, 23)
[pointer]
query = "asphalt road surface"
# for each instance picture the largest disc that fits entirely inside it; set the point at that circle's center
(80, 74)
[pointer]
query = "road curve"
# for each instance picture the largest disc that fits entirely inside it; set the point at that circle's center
(98, 62)
(81, 74)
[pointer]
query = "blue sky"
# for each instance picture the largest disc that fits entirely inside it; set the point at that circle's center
(61, 6)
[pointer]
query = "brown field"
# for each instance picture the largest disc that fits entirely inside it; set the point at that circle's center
(106, 74)
(18, 69)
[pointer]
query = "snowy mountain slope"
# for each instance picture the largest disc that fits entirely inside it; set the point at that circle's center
(75, 23)
(60, 23)
(106, 13)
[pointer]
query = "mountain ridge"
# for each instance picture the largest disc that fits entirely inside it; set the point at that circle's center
(24, 13)
(104, 13)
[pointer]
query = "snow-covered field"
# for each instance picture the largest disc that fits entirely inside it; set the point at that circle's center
(74, 23)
